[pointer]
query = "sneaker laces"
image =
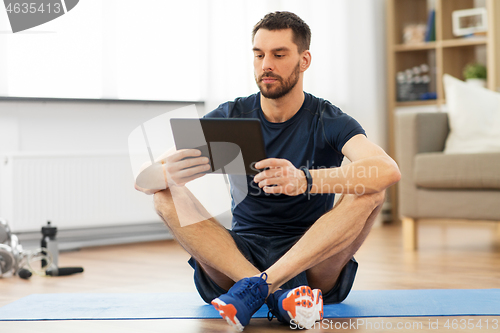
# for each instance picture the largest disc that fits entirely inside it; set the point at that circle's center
(274, 312)
(270, 314)
(253, 289)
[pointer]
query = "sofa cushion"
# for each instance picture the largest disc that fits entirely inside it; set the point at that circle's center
(474, 114)
(464, 171)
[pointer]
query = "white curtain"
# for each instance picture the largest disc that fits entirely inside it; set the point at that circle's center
(347, 47)
(116, 49)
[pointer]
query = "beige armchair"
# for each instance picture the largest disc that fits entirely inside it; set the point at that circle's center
(438, 185)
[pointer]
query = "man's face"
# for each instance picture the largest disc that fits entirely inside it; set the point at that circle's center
(276, 62)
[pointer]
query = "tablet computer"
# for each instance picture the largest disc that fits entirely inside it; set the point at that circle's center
(233, 146)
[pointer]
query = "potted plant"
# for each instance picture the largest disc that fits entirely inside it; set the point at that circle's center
(476, 74)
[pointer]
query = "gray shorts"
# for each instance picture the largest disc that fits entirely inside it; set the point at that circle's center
(262, 252)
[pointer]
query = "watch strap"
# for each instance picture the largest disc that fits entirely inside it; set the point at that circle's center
(308, 178)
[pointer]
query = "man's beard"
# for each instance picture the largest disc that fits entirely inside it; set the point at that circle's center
(283, 88)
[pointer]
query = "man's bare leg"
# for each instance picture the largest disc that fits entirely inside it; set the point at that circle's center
(336, 236)
(323, 250)
(325, 274)
(207, 241)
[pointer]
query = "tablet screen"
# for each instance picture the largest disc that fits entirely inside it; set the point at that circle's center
(232, 145)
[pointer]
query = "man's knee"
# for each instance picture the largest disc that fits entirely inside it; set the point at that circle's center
(378, 198)
(370, 201)
(374, 200)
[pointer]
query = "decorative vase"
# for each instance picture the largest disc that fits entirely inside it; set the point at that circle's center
(477, 82)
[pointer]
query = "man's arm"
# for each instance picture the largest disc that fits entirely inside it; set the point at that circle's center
(371, 171)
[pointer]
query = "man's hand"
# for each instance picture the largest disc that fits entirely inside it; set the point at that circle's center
(184, 166)
(280, 177)
(178, 167)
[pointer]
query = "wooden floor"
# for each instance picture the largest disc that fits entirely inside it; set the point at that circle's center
(451, 255)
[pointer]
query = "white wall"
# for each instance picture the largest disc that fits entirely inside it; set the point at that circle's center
(94, 133)
(74, 125)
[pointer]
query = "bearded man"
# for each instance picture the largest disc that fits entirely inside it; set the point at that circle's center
(288, 246)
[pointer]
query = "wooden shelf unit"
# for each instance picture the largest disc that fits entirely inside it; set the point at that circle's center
(447, 55)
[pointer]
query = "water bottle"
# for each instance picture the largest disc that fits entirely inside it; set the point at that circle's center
(50, 243)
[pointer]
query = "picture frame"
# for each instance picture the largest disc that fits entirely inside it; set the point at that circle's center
(469, 21)
(414, 33)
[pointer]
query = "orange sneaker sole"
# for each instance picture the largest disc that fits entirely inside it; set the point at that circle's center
(304, 306)
(228, 312)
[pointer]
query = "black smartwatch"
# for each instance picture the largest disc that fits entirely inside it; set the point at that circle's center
(308, 178)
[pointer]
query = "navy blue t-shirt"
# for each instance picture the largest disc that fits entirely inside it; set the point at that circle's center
(313, 138)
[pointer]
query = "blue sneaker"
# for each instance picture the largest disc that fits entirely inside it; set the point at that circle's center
(301, 305)
(241, 301)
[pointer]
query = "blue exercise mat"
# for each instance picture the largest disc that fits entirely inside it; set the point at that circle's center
(360, 303)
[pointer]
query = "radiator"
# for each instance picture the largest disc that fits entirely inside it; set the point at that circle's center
(71, 190)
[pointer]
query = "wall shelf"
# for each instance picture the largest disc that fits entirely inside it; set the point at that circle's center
(413, 47)
(464, 42)
(419, 103)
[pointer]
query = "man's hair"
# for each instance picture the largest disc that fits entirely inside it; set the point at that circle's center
(286, 20)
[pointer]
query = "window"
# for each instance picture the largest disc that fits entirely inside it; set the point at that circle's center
(121, 49)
